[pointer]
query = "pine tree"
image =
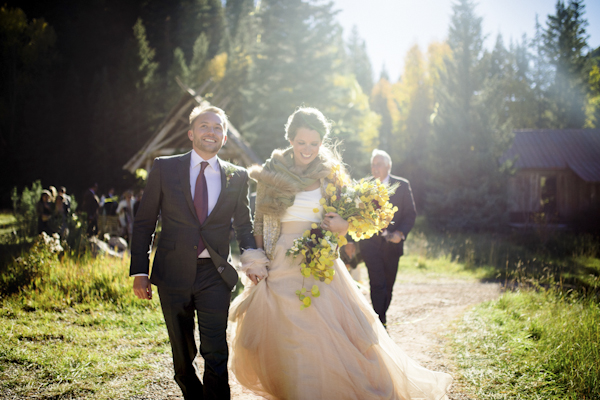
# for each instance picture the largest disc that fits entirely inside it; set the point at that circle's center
(383, 103)
(198, 17)
(27, 54)
(565, 40)
(296, 61)
(522, 107)
(235, 13)
(508, 69)
(540, 77)
(466, 187)
(137, 93)
(359, 63)
(413, 97)
(242, 30)
(593, 106)
(147, 64)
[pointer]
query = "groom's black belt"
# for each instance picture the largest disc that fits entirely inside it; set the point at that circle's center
(202, 261)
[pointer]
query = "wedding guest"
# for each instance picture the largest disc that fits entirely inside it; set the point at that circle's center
(59, 217)
(336, 348)
(109, 203)
(62, 191)
(44, 212)
(382, 252)
(90, 206)
(53, 193)
(125, 213)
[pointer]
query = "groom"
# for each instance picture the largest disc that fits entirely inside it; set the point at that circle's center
(196, 196)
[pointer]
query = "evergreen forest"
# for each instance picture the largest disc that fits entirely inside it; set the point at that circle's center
(86, 83)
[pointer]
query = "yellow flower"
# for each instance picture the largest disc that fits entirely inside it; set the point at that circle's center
(315, 291)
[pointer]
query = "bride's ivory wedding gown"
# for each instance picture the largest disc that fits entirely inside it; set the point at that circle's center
(335, 349)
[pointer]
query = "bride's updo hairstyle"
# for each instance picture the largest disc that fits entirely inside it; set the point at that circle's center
(309, 118)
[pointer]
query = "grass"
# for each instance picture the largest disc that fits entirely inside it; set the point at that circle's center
(420, 261)
(541, 338)
(75, 330)
(7, 223)
(70, 327)
(7, 218)
(531, 345)
(104, 353)
(515, 257)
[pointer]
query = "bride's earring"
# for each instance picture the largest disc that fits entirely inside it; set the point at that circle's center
(292, 156)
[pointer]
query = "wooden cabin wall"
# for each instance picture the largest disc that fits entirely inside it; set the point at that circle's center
(573, 195)
(524, 192)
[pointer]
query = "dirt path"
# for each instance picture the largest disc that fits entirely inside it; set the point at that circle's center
(420, 313)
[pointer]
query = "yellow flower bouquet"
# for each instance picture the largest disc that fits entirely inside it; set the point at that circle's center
(366, 207)
(318, 249)
(364, 204)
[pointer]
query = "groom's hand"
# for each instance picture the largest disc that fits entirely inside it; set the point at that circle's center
(142, 287)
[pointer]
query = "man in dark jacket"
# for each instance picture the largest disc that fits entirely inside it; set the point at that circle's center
(196, 195)
(90, 206)
(382, 252)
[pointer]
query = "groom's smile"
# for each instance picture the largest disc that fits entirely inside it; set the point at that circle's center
(208, 134)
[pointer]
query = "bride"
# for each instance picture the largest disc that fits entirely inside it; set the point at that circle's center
(336, 348)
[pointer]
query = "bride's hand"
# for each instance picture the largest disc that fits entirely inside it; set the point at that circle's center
(334, 223)
(254, 278)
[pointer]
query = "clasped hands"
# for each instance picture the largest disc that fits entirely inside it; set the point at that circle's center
(255, 264)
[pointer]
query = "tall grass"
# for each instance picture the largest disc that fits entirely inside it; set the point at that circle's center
(85, 280)
(47, 276)
(70, 327)
(541, 339)
(531, 345)
(515, 258)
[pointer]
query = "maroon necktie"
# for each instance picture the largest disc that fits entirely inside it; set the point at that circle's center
(201, 201)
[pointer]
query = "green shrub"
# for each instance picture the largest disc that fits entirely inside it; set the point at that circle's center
(24, 270)
(24, 207)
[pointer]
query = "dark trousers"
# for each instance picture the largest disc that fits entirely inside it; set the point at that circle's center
(209, 298)
(381, 259)
(92, 228)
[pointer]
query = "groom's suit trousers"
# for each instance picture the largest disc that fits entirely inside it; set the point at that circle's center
(209, 298)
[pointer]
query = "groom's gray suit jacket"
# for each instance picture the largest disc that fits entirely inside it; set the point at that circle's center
(168, 194)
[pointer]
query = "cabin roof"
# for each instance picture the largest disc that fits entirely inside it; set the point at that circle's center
(171, 137)
(577, 149)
